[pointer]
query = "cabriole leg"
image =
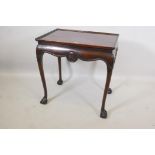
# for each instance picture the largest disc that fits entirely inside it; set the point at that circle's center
(103, 113)
(109, 91)
(60, 82)
(39, 55)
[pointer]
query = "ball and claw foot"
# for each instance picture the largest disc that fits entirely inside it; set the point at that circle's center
(44, 100)
(103, 114)
(109, 91)
(60, 82)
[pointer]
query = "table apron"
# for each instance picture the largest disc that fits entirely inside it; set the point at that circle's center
(73, 54)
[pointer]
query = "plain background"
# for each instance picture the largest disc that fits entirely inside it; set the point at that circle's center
(136, 51)
(77, 103)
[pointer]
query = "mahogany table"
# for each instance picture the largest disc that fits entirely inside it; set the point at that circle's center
(74, 45)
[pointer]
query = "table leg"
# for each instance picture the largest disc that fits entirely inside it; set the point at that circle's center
(41, 69)
(109, 73)
(60, 82)
(109, 91)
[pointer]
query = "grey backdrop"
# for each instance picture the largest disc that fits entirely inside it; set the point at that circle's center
(136, 55)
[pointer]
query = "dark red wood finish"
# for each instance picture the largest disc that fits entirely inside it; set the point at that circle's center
(74, 45)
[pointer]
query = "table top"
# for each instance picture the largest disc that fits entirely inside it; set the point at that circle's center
(80, 38)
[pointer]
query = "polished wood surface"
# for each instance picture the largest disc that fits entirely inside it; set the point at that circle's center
(83, 38)
(74, 45)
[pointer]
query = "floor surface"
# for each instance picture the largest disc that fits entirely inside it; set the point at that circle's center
(76, 104)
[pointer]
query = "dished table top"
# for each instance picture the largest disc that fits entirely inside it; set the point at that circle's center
(80, 38)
